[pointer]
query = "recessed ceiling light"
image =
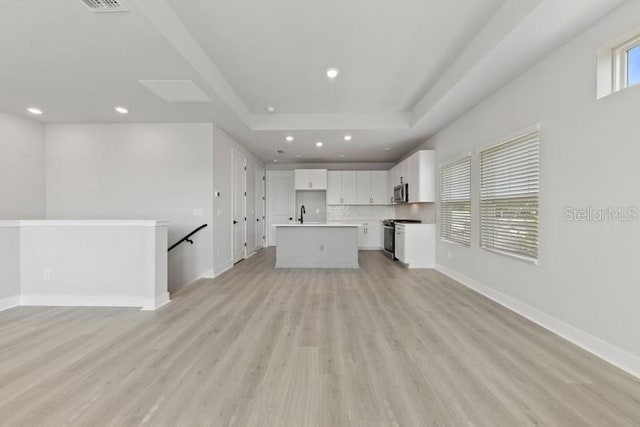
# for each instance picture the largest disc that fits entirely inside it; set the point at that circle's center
(269, 109)
(289, 138)
(121, 110)
(34, 110)
(347, 137)
(387, 149)
(341, 155)
(275, 160)
(298, 155)
(332, 73)
(319, 144)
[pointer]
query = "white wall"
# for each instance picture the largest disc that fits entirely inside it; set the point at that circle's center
(21, 168)
(588, 276)
(137, 171)
(223, 144)
(84, 263)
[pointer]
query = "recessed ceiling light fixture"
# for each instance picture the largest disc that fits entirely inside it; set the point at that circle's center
(298, 155)
(319, 144)
(332, 73)
(347, 137)
(341, 155)
(275, 160)
(289, 138)
(34, 110)
(270, 109)
(121, 110)
(387, 149)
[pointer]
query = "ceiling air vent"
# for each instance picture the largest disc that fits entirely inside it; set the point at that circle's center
(104, 5)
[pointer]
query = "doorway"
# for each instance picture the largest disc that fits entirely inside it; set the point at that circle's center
(239, 205)
(260, 208)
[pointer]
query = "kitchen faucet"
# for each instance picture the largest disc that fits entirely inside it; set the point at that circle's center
(302, 212)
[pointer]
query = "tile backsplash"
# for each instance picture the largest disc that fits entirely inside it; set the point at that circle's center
(346, 213)
(425, 212)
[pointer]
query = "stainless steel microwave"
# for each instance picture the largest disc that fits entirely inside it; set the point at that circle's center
(401, 193)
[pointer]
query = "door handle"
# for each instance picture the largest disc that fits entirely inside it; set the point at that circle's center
(235, 222)
(257, 219)
(290, 218)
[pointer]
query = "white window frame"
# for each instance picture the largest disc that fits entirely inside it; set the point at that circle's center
(621, 63)
(612, 63)
(505, 140)
(464, 157)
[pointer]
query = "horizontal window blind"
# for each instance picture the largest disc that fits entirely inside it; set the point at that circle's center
(509, 196)
(455, 201)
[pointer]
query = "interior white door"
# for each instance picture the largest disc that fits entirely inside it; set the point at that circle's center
(238, 194)
(281, 203)
(260, 208)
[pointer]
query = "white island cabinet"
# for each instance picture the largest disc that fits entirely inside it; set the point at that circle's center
(319, 245)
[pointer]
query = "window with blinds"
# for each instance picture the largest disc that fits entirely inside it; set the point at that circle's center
(455, 201)
(509, 194)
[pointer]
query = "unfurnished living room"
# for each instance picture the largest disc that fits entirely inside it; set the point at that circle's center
(319, 213)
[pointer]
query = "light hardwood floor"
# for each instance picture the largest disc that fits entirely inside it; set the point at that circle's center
(381, 345)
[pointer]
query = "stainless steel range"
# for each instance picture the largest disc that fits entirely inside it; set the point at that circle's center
(390, 234)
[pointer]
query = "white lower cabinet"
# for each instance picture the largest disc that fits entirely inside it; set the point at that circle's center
(370, 235)
(415, 245)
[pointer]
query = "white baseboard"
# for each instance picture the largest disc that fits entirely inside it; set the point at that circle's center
(208, 274)
(154, 304)
(81, 301)
(9, 302)
(222, 268)
(251, 253)
(616, 356)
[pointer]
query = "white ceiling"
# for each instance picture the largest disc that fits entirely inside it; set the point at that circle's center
(388, 52)
(407, 67)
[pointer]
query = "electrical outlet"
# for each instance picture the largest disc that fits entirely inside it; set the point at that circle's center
(321, 248)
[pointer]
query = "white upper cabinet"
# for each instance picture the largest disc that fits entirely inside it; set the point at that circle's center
(358, 188)
(334, 188)
(421, 176)
(349, 187)
(380, 194)
(341, 188)
(404, 171)
(364, 187)
(373, 188)
(311, 179)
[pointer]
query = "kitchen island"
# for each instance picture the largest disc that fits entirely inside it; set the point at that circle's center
(317, 245)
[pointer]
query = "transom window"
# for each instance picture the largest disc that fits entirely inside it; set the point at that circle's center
(627, 64)
(633, 65)
(619, 64)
